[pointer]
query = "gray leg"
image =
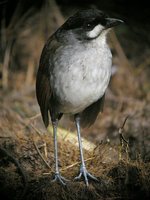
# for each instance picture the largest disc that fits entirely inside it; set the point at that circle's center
(57, 177)
(83, 170)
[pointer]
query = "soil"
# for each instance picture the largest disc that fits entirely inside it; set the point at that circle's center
(25, 175)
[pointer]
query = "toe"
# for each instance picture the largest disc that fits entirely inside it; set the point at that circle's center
(85, 174)
(78, 177)
(60, 179)
(92, 177)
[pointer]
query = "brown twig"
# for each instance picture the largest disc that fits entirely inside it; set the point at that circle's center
(121, 130)
(70, 166)
(35, 116)
(36, 147)
(38, 131)
(122, 139)
(45, 148)
(74, 164)
(26, 123)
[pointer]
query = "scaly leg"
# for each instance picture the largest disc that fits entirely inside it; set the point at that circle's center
(57, 177)
(83, 170)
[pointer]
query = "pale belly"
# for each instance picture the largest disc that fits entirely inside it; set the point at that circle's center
(81, 80)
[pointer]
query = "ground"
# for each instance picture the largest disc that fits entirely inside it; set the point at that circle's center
(27, 160)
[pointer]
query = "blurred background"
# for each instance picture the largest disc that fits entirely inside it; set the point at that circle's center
(24, 28)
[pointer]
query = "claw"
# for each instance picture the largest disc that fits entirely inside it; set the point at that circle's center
(60, 179)
(85, 174)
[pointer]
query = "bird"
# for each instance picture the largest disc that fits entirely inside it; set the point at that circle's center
(73, 75)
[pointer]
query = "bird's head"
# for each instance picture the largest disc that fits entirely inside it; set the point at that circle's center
(89, 24)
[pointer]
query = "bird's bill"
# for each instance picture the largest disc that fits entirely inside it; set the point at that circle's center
(111, 22)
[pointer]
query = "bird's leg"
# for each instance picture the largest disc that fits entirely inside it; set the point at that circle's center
(83, 170)
(57, 177)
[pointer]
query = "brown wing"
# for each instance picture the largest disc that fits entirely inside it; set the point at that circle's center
(43, 88)
(89, 115)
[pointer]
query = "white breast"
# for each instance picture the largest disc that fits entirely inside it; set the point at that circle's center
(82, 74)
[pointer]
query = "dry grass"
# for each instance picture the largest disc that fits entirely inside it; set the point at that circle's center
(27, 142)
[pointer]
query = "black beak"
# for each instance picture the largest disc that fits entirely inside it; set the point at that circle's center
(111, 22)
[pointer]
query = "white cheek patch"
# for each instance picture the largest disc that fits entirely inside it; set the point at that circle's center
(95, 32)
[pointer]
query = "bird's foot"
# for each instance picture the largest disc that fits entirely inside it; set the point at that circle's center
(85, 174)
(59, 178)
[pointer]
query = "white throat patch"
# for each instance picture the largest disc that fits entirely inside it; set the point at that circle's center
(95, 32)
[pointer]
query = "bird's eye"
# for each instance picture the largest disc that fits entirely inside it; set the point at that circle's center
(89, 25)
